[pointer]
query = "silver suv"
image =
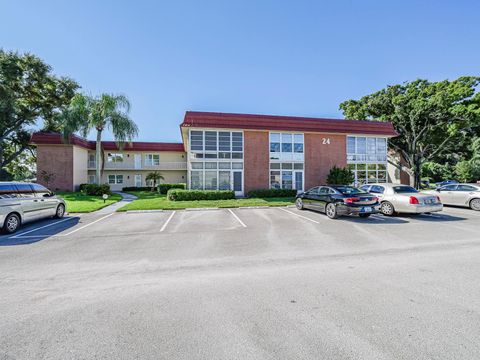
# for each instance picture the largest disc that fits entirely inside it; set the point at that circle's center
(24, 202)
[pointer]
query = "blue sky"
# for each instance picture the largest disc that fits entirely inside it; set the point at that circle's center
(298, 58)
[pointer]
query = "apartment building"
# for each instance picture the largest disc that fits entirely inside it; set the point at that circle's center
(73, 163)
(241, 152)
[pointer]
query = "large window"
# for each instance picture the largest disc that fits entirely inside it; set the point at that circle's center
(367, 158)
(369, 173)
(286, 175)
(216, 144)
(286, 146)
(360, 149)
(114, 157)
(115, 179)
(213, 175)
(152, 159)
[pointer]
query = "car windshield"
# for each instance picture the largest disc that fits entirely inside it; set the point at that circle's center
(349, 190)
(404, 189)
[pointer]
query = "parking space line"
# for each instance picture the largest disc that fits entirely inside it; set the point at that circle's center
(84, 226)
(166, 222)
(41, 227)
(236, 217)
(303, 217)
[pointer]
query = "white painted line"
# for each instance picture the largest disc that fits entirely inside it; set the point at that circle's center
(84, 226)
(236, 217)
(303, 217)
(168, 220)
(41, 227)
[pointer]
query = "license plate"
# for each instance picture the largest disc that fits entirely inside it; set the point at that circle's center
(367, 209)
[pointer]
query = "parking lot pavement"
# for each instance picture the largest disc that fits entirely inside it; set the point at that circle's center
(275, 283)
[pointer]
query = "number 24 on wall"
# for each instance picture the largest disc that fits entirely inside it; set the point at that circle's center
(326, 141)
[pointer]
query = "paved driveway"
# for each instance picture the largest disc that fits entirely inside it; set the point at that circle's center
(271, 283)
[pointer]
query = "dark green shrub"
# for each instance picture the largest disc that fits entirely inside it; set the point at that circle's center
(340, 176)
(163, 188)
(81, 187)
(189, 195)
(96, 190)
(137, 188)
(266, 193)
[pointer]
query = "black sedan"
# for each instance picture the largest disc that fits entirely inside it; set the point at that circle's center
(336, 200)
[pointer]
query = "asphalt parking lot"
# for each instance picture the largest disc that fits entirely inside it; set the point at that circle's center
(274, 283)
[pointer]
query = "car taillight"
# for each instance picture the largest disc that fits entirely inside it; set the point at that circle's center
(375, 199)
(351, 200)
(414, 200)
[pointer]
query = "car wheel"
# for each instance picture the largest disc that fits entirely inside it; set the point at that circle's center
(299, 204)
(12, 223)
(364, 215)
(331, 211)
(60, 211)
(475, 204)
(387, 209)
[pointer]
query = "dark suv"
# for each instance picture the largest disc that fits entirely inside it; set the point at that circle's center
(336, 200)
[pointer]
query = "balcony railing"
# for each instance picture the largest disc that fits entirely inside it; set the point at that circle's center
(167, 165)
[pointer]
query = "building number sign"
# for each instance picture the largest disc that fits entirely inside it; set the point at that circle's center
(326, 141)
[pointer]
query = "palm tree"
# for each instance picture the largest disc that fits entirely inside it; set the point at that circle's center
(107, 111)
(154, 176)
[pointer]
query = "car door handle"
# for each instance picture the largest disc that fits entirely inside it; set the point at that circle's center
(35, 200)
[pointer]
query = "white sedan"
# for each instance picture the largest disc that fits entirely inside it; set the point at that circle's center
(396, 198)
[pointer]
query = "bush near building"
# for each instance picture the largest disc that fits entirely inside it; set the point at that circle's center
(137, 188)
(189, 195)
(340, 176)
(163, 188)
(95, 189)
(270, 193)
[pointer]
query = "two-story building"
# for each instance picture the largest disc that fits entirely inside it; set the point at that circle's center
(241, 152)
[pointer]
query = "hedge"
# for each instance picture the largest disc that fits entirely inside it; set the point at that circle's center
(137, 188)
(266, 193)
(188, 195)
(94, 189)
(163, 188)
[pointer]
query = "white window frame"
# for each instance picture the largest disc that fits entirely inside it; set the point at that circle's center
(150, 159)
(112, 157)
(289, 155)
(213, 155)
(116, 178)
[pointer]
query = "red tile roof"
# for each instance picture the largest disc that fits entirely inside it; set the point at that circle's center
(286, 123)
(56, 139)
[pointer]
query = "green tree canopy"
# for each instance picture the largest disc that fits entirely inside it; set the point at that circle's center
(28, 92)
(432, 118)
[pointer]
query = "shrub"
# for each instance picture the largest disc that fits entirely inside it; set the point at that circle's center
(163, 188)
(340, 176)
(266, 193)
(188, 195)
(96, 190)
(137, 188)
(81, 187)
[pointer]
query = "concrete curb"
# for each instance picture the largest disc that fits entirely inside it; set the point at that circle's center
(142, 211)
(200, 209)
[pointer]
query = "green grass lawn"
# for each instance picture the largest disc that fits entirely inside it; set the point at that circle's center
(80, 203)
(152, 201)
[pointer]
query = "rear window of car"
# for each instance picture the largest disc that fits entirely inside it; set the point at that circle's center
(349, 190)
(7, 191)
(404, 189)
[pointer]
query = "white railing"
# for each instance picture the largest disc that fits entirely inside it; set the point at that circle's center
(167, 165)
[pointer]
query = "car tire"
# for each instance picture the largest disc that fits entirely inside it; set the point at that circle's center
(364, 215)
(331, 211)
(299, 204)
(387, 209)
(11, 224)
(60, 211)
(475, 204)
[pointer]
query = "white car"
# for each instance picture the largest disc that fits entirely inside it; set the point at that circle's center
(396, 198)
(467, 195)
(24, 202)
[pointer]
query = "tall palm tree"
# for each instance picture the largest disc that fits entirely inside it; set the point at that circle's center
(107, 111)
(154, 176)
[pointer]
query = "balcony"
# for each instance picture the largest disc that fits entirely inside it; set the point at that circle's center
(178, 165)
